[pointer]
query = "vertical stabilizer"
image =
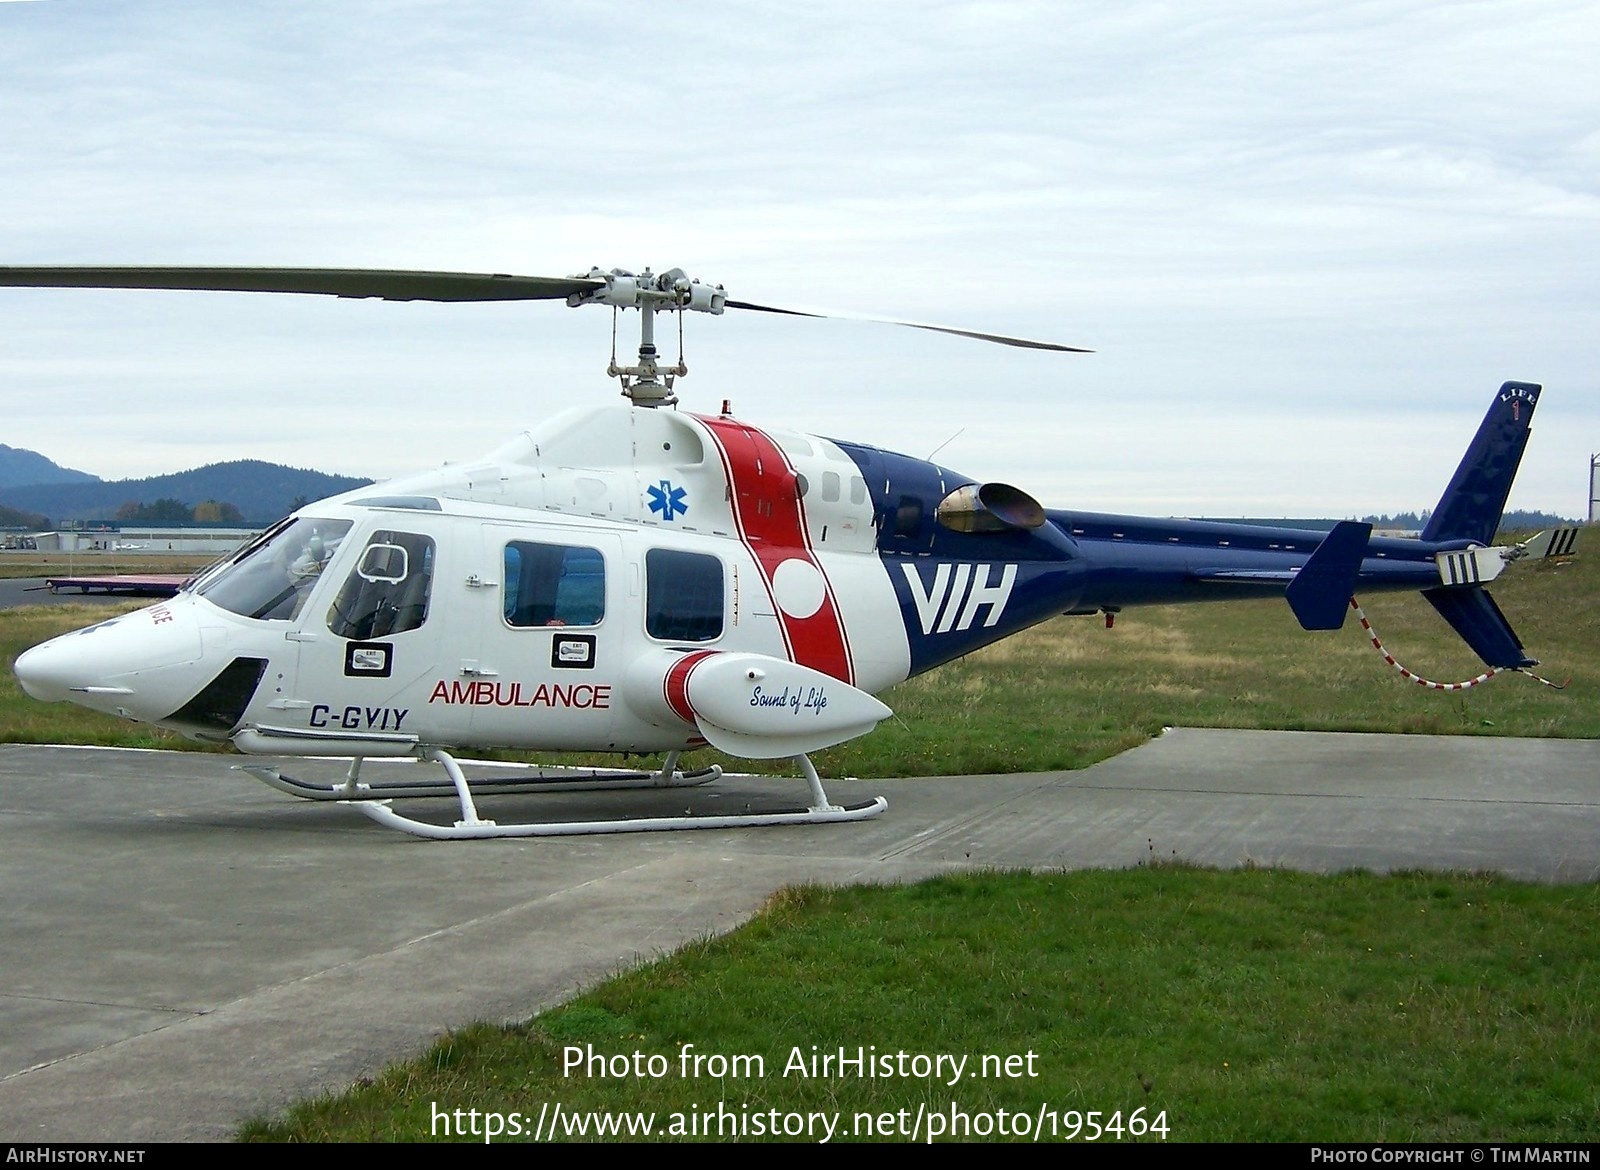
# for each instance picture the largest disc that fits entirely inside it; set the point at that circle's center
(1473, 614)
(1471, 506)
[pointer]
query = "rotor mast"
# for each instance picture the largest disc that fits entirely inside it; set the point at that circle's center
(650, 383)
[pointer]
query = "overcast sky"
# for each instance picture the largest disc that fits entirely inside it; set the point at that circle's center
(1307, 241)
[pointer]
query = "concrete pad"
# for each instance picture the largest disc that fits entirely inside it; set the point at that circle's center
(182, 948)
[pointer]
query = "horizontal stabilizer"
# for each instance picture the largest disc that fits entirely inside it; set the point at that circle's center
(1245, 576)
(1320, 592)
(1473, 614)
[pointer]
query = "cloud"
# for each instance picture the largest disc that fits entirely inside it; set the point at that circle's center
(1303, 220)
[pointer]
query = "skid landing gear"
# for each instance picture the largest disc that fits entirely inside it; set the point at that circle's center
(373, 800)
(537, 780)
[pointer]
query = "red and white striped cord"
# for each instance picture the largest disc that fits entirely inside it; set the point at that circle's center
(1429, 683)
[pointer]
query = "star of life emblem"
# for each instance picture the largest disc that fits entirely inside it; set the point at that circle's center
(670, 501)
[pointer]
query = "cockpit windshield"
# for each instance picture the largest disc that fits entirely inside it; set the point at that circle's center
(271, 580)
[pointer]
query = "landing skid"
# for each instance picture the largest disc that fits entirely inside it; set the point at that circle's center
(542, 780)
(373, 800)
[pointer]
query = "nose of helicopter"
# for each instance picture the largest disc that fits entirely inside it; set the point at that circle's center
(34, 670)
(133, 665)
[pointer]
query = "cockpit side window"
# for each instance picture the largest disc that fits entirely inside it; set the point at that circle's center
(683, 596)
(388, 590)
(271, 579)
(554, 585)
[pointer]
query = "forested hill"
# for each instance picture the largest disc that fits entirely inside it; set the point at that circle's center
(20, 468)
(261, 491)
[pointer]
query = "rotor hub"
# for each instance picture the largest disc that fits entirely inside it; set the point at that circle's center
(649, 383)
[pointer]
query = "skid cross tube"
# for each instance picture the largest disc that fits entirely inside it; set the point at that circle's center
(543, 779)
(473, 827)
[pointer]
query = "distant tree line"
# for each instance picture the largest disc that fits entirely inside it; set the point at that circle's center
(169, 511)
(261, 492)
(1514, 521)
(1417, 520)
(12, 518)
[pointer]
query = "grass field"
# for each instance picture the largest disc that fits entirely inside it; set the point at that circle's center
(1243, 1006)
(1248, 1006)
(15, 563)
(22, 720)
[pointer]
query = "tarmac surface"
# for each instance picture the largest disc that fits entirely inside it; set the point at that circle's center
(184, 948)
(19, 591)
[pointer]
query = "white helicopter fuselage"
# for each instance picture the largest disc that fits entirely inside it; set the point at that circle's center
(640, 580)
(540, 598)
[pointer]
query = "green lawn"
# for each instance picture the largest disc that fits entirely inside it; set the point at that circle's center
(1254, 1005)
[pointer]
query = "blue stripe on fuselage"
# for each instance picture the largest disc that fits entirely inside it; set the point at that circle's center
(958, 591)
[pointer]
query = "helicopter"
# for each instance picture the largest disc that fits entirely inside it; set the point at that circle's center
(638, 579)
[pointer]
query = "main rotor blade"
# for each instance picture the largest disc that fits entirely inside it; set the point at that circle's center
(411, 285)
(976, 334)
(397, 285)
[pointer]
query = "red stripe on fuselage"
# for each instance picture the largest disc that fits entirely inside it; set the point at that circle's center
(771, 522)
(675, 686)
